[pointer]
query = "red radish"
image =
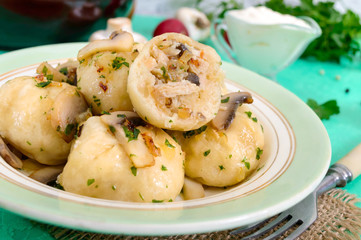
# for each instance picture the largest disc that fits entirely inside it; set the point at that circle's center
(170, 25)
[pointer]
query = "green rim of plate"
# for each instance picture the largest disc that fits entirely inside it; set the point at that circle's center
(310, 163)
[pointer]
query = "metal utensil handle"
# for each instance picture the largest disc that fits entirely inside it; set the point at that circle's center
(342, 172)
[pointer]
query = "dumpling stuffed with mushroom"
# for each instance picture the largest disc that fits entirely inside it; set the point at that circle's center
(39, 117)
(120, 157)
(103, 72)
(228, 149)
(175, 82)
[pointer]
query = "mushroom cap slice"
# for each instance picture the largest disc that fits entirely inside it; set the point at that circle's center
(229, 105)
(9, 156)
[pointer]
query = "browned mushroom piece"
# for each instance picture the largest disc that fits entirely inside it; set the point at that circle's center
(9, 156)
(69, 109)
(47, 174)
(69, 70)
(228, 108)
(123, 125)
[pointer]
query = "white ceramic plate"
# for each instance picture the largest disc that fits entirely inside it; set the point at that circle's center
(296, 157)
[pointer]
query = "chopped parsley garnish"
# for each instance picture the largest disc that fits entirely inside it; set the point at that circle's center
(114, 187)
(146, 119)
(221, 167)
(170, 200)
(69, 128)
(168, 144)
(157, 201)
(175, 139)
(259, 153)
(247, 164)
(96, 100)
(29, 143)
(132, 155)
(43, 84)
(171, 121)
(90, 181)
(105, 112)
(230, 156)
(50, 77)
(164, 168)
(134, 170)
(112, 129)
(64, 70)
(45, 70)
(206, 153)
(249, 114)
(131, 135)
(325, 110)
(81, 61)
(77, 93)
(141, 197)
(254, 119)
(164, 74)
(121, 115)
(225, 100)
(102, 76)
(191, 133)
(118, 62)
(41, 149)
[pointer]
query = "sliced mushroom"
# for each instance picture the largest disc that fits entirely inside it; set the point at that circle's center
(192, 189)
(47, 174)
(228, 108)
(69, 109)
(139, 147)
(69, 70)
(9, 156)
(193, 78)
(51, 73)
(119, 41)
(196, 22)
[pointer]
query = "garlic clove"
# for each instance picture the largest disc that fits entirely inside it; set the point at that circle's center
(196, 22)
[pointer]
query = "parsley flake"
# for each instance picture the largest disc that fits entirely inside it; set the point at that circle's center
(64, 70)
(164, 168)
(112, 129)
(105, 112)
(118, 62)
(43, 84)
(249, 114)
(121, 115)
(134, 170)
(225, 100)
(221, 167)
(157, 201)
(206, 153)
(168, 144)
(131, 135)
(68, 129)
(90, 181)
(259, 153)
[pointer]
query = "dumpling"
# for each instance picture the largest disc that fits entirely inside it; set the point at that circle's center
(126, 159)
(103, 72)
(175, 82)
(224, 155)
(39, 117)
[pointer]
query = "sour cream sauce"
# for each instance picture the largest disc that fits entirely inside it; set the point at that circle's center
(266, 16)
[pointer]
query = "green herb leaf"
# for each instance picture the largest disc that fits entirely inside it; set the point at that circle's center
(105, 112)
(68, 129)
(134, 170)
(259, 153)
(141, 197)
(112, 129)
(114, 187)
(118, 62)
(64, 70)
(249, 114)
(325, 110)
(225, 100)
(191, 133)
(90, 181)
(164, 168)
(121, 116)
(43, 84)
(247, 164)
(168, 144)
(221, 167)
(157, 201)
(131, 135)
(206, 153)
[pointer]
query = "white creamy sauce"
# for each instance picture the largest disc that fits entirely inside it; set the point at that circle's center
(264, 15)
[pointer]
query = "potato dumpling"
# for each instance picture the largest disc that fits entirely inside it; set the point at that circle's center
(103, 74)
(175, 82)
(120, 157)
(39, 117)
(224, 157)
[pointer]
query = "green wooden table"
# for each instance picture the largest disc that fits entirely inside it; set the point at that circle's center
(303, 78)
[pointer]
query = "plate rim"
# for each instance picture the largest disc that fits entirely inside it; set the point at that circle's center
(178, 227)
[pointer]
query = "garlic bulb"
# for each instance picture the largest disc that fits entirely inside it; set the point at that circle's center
(117, 24)
(196, 22)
